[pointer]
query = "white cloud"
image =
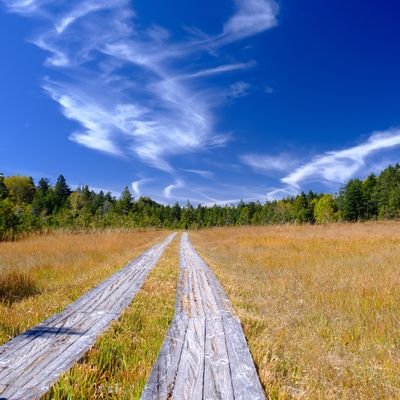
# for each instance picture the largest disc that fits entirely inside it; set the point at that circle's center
(239, 89)
(25, 7)
(152, 110)
(158, 33)
(331, 168)
(136, 185)
(226, 193)
(218, 70)
(200, 172)
(170, 188)
(268, 163)
(280, 193)
(83, 10)
(339, 166)
(252, 17)
(269, 89)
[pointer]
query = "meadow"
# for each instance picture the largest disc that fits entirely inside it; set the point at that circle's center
(41, 275)
(320, 305)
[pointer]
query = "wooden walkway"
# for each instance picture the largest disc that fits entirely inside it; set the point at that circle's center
(205, 354)
(32, 362)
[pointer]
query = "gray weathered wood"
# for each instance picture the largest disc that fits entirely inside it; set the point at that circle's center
(205, 354)
(32, 362)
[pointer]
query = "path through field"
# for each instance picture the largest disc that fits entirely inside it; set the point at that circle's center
(32, 362)
(205, 354)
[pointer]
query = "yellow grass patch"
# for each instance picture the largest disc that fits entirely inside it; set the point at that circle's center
(41, 275)
(320, 305)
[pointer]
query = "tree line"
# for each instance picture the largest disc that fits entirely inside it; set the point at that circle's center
(28, 207)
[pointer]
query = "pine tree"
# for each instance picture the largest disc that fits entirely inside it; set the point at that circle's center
(370, 195)
(352, 201)
(125, 202)
(43, 201)
(61, 192)
(175, 215)
(3, 188)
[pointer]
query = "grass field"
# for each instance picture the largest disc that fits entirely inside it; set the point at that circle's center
(118, 366)
(320, 305)
(41, 275)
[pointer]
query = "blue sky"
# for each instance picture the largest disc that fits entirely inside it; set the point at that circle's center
(207, 101)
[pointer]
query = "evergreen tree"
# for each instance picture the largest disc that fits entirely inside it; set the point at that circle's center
(3, 188)
(371, 197)
(393, 207)
(43, 202)
(98, 202)
(124, 204)
(61, 192)
(175, 215)
(387, 183)
(244, 216)
(352, 201)
(43, 185)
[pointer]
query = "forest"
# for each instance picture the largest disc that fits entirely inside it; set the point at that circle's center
(26, 207)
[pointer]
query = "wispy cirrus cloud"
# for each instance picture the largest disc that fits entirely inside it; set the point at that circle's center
(251, 18)
(279, 193)
(330, 169)
(25, 7)
(341, 165)
(74, 14)
(98, 122)
(269, 163)
(201, 172)
(239, 89)
(218, 70)
(137, 185)
(179, 184)
(133, 91)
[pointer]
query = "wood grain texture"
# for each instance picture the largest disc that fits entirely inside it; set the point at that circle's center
(205, 354)
(33, 361)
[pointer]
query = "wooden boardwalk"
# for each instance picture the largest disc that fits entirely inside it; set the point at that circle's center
(32, 362)
(205, 354)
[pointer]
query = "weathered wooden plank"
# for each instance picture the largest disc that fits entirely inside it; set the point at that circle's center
(35, 366)
(188, 383)
(32, 362)
(246, 384)
(162, 378)
(217, 375)
(207, 357)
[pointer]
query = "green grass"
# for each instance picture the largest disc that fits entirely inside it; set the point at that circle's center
(118, 366)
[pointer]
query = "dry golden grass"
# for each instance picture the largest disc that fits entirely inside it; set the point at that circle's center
(15, 286)
(320, 305)
(41, 275)
(118, 366)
